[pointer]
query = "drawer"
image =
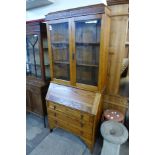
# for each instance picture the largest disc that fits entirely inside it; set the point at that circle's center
(72, 112)
(54, 122)
(81, 125)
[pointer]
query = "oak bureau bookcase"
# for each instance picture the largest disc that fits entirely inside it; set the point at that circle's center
(78, 53)
(37, 67)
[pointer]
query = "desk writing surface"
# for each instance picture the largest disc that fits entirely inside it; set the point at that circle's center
(83, 100)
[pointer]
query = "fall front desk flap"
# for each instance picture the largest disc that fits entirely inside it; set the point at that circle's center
(82, 100)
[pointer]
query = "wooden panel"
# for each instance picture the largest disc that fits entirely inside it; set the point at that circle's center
(59, 81)
(30, 80)
(119, 10)
(71, 97)
(57, 21)
(88, 17)
(116, 102)
(69, 127)
(28, 100)
(86, 87)
(116, 2)
(116, 47)
(36, 104)
(72, 112)
(88, 10)
(80, 124)
(96, 127)
(35, 95)
(105, 31)
(113, 78)
(33, 89)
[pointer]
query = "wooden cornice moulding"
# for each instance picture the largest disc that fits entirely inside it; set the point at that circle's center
(36, 20)
(116, 2)
(80, 11)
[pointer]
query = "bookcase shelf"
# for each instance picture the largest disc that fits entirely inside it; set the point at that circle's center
(87, 44)
(87, 65)
(61, 62)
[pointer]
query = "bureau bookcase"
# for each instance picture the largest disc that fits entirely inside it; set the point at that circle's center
(78, 54)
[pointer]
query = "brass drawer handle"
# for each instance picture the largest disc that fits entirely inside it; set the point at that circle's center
(81, 116)
(81, 132)
(81, 124)
(56, 122)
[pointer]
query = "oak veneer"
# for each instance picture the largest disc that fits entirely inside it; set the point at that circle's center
(117, 2)
(77, 111)
(83, 61)
(78, 40)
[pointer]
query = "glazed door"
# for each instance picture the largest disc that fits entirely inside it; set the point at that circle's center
(59, 50)
(87, 51)
(33, 65)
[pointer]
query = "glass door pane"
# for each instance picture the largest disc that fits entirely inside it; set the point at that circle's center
(87, 45)
(33, 66)
(60, 49)
(46, 59)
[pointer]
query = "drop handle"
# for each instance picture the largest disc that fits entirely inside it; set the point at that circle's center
(81, 124)
(81, 116)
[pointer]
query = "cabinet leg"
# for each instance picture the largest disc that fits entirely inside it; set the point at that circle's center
(90, 147)
(44, 122)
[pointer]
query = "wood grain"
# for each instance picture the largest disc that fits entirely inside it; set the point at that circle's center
(117, 2)
(105, 32)
(72, 97)
(35, 96)
(75, 110)
(116, 47)
(81, 11)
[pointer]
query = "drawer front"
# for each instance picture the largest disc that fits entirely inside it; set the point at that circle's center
(54, 122)
(71, 112)
(81, 125)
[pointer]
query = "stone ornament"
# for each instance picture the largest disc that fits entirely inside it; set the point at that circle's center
(114, 135)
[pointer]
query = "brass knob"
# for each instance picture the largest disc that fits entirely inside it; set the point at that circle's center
(81, 116)
(81, 124)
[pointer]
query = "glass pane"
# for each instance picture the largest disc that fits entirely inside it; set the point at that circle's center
(33, 56)
(60, 48)
(87, 41)
(61, 71)
(46, 59)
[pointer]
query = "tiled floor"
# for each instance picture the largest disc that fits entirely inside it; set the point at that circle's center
(36, 133)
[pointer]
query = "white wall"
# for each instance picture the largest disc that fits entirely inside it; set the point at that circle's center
(58, 5)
